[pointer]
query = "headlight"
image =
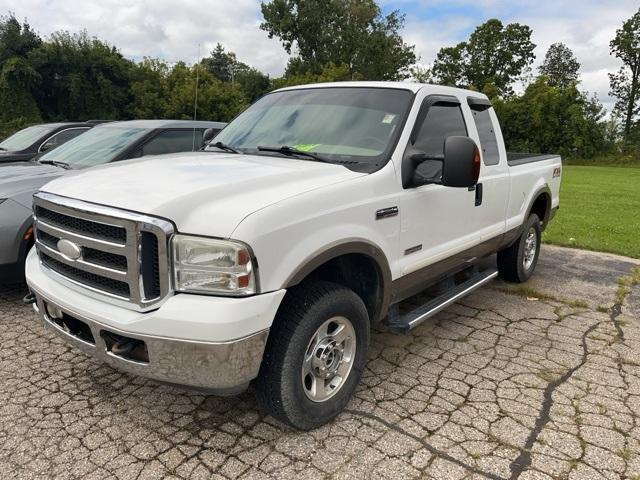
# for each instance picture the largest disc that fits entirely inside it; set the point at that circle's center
(207, 265)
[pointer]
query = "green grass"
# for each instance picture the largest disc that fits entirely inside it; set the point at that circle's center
(599, 210)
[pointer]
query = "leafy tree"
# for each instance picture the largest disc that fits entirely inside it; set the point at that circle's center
(252, 82)
(148, 83)
(225, 67)
(633, 141)
(18, 78)
(422, 74)
(82, 78)
(16, 40)
(353, 33)
(221, 64)
(330, 73)
(625, 84)
(551, 119)
(560, 66)
(217, 101)
(450, 66)
(494, 54)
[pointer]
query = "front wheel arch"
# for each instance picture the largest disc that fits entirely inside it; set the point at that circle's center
(358, 265)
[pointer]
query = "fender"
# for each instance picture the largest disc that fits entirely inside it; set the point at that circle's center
(362, 247)
(547, 213)
(513, 234)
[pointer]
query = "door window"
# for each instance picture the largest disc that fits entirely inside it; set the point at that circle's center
(62, 137)
(172, 141)
(442, 121)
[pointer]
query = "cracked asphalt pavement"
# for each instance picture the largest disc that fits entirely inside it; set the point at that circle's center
(531, 382)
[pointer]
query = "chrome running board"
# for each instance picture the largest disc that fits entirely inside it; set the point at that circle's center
(410, 320)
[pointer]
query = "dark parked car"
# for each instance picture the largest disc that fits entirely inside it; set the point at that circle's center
(105, 143)
(37, 139)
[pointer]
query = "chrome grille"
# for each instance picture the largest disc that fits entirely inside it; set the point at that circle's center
(122, 255)
(83, 227)
(109, 285)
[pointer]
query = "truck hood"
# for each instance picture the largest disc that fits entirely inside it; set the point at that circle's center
(21, 179)
(203, 193)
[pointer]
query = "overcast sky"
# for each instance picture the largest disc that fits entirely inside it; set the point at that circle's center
(172, 29)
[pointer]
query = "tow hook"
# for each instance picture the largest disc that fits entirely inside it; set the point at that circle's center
(123, 347)
(126, 347)
(29, 298)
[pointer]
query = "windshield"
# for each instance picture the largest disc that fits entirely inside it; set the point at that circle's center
(343, 124)
(26, 137)
(97, 146)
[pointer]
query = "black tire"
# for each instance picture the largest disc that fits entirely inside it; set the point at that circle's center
(279, 385)
(511, 265)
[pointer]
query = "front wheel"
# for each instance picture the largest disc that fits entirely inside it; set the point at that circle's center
(315, 354)
(517, 262)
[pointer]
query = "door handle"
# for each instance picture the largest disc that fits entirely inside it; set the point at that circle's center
(478, 194)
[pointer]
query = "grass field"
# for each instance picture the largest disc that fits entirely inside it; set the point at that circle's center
(599, 210)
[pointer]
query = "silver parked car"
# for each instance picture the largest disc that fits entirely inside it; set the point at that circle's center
(108, 142)
(34, 141)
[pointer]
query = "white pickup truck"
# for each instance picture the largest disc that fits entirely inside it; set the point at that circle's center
(268, 257)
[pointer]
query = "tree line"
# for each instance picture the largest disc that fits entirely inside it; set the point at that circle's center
(73, 76)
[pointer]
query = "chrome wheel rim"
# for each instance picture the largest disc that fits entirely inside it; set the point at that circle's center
(328, 359)
(530, 247)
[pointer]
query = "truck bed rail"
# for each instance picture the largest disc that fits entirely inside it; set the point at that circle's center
(514, 159)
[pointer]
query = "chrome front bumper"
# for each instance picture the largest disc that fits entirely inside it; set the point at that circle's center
(223, 368)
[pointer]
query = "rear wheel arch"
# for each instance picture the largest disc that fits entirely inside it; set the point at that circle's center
(541, 206)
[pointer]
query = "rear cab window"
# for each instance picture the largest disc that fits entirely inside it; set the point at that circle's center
(486, 132)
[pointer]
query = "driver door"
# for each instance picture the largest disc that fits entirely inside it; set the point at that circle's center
(436, 220)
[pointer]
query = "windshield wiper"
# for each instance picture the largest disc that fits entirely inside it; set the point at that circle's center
(64, 165)
(285, 149)
(225, 147)
(2, 148)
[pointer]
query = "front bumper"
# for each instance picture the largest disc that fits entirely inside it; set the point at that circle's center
(196, 357)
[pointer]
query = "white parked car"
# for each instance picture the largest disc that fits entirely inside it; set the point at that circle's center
(268, 257)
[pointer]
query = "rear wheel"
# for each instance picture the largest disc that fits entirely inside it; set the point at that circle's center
(315, 354)
(517, 262)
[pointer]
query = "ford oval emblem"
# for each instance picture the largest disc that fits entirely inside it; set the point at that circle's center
(69, 249)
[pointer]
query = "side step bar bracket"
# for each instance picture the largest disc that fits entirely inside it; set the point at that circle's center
(410, 320)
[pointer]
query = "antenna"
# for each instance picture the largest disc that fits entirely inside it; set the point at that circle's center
(195, 101)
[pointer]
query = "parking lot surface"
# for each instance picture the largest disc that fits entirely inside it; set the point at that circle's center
(533, 382)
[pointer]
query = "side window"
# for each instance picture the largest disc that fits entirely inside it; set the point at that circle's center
(62, 137)
(488, 141)
(172, 141)
(442, 121)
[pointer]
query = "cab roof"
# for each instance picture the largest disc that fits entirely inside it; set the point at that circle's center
(154, 124)
(412, 86)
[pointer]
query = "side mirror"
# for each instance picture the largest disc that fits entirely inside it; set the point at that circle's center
(461, 162)
(208, 135)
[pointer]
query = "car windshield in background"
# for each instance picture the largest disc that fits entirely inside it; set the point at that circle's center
(342, 124)
(26, 137)
(98, 146)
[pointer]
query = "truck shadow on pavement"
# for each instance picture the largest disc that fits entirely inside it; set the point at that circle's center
(535, 381)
